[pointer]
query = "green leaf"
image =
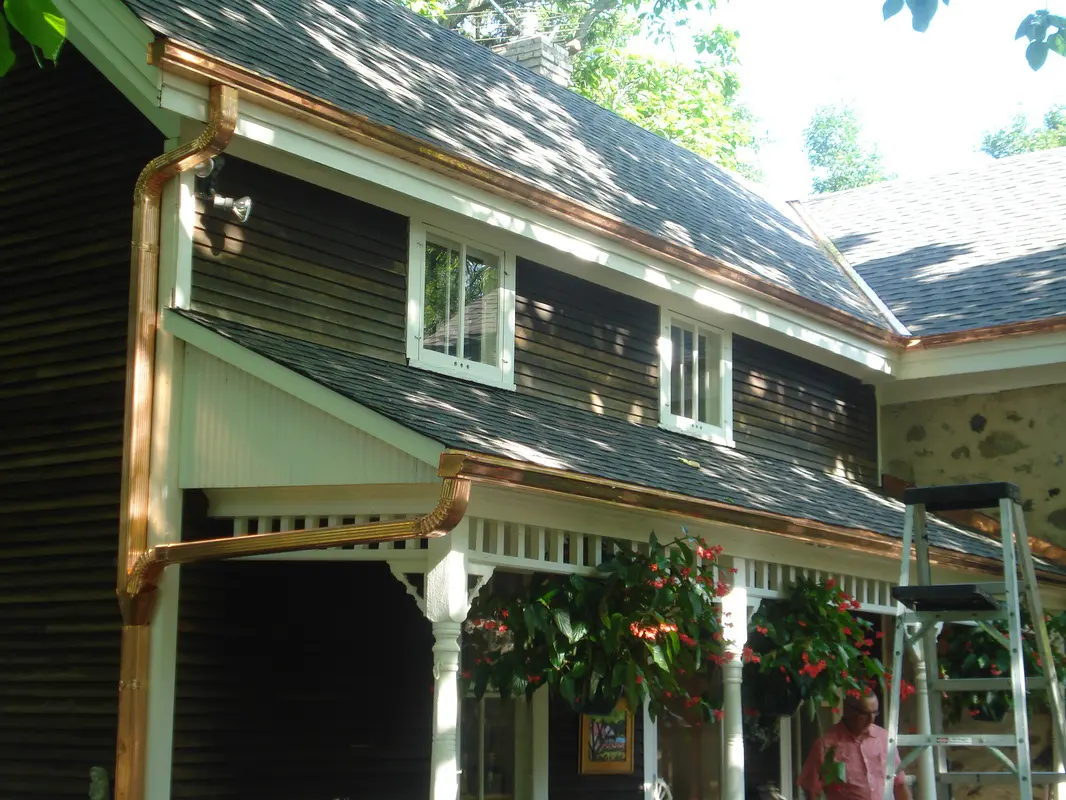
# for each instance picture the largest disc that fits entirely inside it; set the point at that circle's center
(922, 12)
(40, 23)
(658, 657)
(7, 55)
(1057, 43)
(891, 8)
(1036, 54)
(1025, 27)
(580, 631)
(562, 619)
(567, 689)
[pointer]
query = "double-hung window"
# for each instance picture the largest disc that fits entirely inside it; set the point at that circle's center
(460, 307)
(695, 382)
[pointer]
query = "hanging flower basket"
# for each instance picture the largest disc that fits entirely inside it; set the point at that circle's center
(642, 627)
(966, 651)
(770, 694)
(813, 642)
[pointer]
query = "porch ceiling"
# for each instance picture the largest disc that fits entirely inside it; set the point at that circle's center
(502, 423)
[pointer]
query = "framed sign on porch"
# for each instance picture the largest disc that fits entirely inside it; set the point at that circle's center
(607, 742)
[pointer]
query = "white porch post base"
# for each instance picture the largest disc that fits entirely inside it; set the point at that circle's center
(444, 781)
(926, 788)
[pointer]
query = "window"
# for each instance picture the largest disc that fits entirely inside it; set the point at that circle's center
(487, 749)
(695, 381)
(460, 307)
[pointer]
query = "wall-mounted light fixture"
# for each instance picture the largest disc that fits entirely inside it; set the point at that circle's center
(206, 189)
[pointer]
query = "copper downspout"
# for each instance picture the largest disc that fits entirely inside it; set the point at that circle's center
(506, 472)
(137, 443)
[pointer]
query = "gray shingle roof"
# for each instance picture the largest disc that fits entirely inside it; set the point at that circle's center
(980, 247)
(497, 422)
(373, 58)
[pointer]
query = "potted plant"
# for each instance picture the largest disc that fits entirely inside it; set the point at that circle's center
(645, 626)
(809, 647)
(966, 651)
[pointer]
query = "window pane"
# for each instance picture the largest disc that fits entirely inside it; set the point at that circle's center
(440, 325)
(676, 370)
(690, 373)
(481, 335)
(710, 356)
(486, 750)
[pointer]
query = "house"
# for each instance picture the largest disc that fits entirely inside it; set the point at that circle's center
(471, 317)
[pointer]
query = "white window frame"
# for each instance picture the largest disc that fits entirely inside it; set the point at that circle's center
(523, 733)
(501, 374)
(719, 434)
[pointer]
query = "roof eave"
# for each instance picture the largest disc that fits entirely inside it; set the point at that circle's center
(478, 467)
(181, 59)
(989, 333)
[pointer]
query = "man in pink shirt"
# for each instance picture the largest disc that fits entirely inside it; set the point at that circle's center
(863, 749)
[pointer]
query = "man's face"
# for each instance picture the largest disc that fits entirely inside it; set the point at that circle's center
(859, 714)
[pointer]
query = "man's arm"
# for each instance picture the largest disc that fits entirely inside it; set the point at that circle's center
(901, 790)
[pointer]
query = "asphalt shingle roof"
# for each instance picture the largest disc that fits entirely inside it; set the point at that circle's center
(975, 248)
(466, 416)
(378, 60)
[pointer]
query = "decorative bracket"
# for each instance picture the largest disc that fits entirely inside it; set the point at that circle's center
(479, 576)
(414, 591)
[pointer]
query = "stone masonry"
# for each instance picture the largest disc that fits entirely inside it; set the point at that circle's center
(1017, 436)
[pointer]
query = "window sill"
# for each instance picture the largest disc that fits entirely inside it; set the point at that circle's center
(446, 366)
(701, 431)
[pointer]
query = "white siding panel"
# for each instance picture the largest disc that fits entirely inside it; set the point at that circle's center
(238, 431)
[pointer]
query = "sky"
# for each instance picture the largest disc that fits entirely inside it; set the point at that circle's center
(925, 99)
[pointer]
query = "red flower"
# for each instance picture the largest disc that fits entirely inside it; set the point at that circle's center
(879, 635)
(534, 678)
(718, 714)
(503, 613)
(466, 675)
(490, 625)
(802, 624)
(830, 583)
(761, 629)
(846, 631)
(867, 642)
(503, 628)
(654, 567)
(640, 679)
(686, 639)
(734, 570)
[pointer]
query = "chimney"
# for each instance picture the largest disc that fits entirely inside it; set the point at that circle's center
(536, 52)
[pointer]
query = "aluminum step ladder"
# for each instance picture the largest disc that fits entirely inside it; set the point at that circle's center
(923, 606)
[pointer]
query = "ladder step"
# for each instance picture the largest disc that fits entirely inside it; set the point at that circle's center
(983, 684)
(947, 597)
(957, 740)
(952, 616)
(962, 496)
(1039, 778)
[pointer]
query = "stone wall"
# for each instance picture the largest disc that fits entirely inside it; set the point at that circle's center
(1017, 436)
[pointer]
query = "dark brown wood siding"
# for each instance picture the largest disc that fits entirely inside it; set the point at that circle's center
(71, 150)
(793, 409)
(309, 263)
(300, 681)
(565, 781)
(585, 345)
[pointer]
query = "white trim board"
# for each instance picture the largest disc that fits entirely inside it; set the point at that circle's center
(1011, 352)
(314, 394)
(116, 42)
(277, 133)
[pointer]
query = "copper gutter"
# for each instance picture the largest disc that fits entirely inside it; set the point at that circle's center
(506, 472)
(183, 60)
(989, 333)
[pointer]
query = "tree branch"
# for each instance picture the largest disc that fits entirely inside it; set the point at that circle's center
(587, 20)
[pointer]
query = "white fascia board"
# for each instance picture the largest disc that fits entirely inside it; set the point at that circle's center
(1014, 362)
(392, 433)
(1010, 352)
(111, 36)
(305, 141)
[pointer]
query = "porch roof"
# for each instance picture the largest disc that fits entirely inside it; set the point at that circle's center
(502, 423)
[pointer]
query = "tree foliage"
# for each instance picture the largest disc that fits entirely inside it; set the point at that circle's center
(694, 104)
(39, 23)
(836, 152)
(1018, 137)
(1045, 32)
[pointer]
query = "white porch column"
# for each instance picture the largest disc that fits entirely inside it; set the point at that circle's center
(651, 753)
(735, 624)
(926, 787)
(540, 767)
(447, 605)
